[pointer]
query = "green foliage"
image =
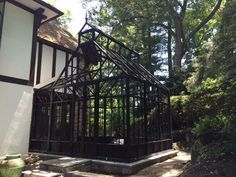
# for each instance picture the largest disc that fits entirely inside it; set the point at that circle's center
(180, 115)
(65, 19)
(176, 81)
(207, 124)
(143, 26)
(218, 149)
(212, 85)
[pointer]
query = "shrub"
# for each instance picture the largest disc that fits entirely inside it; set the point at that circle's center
(220, 123)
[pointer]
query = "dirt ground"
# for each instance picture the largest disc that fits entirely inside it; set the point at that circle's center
(179, 166)
(169, 168)
(221, 167)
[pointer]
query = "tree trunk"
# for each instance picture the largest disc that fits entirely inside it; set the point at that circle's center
(180, 42)
(179, 53)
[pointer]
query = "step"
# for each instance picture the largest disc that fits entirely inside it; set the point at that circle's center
(65, 164)
(79, 166)
(39, 173)
(119, 168)
(130, 168)
(85, 174)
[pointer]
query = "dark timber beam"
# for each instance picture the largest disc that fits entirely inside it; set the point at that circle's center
(38, 17)
(54, 62)
(40, 51)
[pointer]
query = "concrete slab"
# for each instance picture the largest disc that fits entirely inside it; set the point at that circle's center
(130, 168)
(65, 164)
(39, 173)
(68, 164)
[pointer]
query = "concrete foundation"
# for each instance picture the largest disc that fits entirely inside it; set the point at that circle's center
(72, 167)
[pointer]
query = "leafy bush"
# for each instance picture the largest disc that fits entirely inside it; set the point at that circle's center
(219, 148)
(180, 114)
(207, 124)
(203, 126)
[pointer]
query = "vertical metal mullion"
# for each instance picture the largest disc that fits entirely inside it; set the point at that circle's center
(78, 119)
(169, 116)
(50, 121)
(134, 126)
(72, 118)
(96, 116)
(145, 117)
(84, 116)
(123, 116)
(105, 110)
(159, 115)
(127, 90)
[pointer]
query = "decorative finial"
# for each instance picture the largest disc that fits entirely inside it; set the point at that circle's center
(86, 17)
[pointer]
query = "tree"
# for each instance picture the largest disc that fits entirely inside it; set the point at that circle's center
(187, 17)
(213, 84)
(65, 19)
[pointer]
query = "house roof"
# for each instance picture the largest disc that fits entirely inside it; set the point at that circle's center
(53, 31)
(50, 12)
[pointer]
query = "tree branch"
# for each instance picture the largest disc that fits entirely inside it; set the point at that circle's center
(130, 19)
(180, 4)
(184, 7)
(165, 27)
(205, 21)
(142, 17)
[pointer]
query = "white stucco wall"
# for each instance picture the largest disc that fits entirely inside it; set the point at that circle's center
(60, 63)
(15, 50)
(15, 117)
(46, 64)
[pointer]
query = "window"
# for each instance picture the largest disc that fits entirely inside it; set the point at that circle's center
(2, 7)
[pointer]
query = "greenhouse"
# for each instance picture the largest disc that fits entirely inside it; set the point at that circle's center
(104, 105)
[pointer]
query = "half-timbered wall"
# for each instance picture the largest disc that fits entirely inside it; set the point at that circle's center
(15, 93)
(18, 75)
(16, 44)
(51, 59)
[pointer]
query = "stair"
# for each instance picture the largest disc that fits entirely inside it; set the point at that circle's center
(66, 164)
(80, 167)
(39, 173)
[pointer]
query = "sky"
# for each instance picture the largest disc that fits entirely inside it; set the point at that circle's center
(77, 10)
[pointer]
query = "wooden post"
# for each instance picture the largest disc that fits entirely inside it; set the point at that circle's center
(40, 51)
(37, 21)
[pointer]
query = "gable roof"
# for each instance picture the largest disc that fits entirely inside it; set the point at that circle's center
(54, 32)
(94, 51)
(49, 13)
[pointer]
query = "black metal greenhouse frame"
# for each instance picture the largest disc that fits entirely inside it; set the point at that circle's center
(103, 105)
